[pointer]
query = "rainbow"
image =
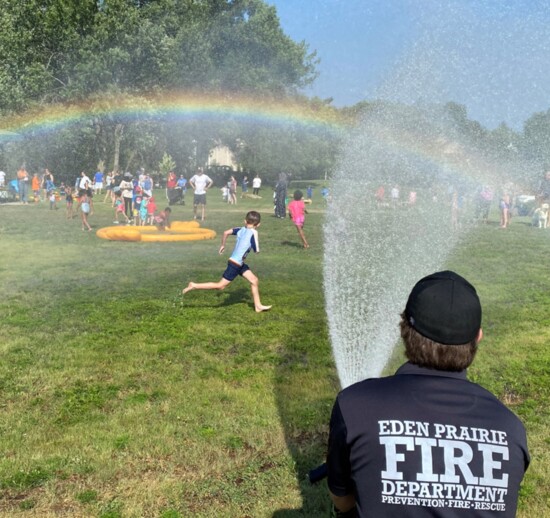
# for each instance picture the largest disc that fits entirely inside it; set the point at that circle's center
(268, 111)
(176, 106)
(444, 154)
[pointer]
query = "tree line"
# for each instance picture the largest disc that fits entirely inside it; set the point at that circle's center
(66, 52)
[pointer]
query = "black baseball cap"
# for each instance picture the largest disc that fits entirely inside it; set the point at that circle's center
(445, 308)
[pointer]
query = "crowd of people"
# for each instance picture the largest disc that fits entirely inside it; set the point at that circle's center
(131, 196)
(506, 199)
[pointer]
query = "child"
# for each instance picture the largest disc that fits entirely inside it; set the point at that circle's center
(504, 211)
(162, 219)
(119, 208)
(138, 198)
(151, 209)
(143, 209)
(35, 186)
(297, 209)
(69, 202)
(247, 239)
(53, 200)
(225, 193)
(85, 210)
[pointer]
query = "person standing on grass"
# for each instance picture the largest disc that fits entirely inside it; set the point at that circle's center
(85, 210)
(151, 210)
(98, 182)
(232, 186)
(280, 196)
(35, 187)
(426, 442)
(127, 190)
(244, 186)
(297, 210)
(47, 183)
(143, 210)
(247, 240)
(182, 185)
(109, 185)
(84, 182)
(200, 184)
(504, 207)
(23, 185)
(256, 184)
(543, 193)
(119, 208)
(69, 200)
(53, 200)
(148, 185)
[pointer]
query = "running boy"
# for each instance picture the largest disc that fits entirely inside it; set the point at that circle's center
(247, 239)
(297, 209)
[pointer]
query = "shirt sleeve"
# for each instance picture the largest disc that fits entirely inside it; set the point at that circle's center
(255, 242)
(340, 482)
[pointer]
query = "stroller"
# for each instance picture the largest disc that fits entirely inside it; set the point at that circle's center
(175, 196)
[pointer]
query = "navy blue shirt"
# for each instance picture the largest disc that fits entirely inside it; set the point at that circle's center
(426, 443)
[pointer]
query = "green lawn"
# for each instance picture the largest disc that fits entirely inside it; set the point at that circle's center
(120, 397)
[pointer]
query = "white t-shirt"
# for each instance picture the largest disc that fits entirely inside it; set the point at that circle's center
(256, 183)
(200, 181)
(84, 183)
(2, 178)
(127, 189)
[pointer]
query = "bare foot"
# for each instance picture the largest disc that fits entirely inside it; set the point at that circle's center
(259, 309)
(190, 287)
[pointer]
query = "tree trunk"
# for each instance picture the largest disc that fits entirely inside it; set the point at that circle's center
(119, 130)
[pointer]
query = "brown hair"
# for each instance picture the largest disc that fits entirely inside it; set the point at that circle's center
(433, 355)
(253, 218)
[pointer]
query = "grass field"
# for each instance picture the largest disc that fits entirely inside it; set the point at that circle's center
(121, 398)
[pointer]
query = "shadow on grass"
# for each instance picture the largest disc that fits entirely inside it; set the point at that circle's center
(305, 390)
(229, 297)
(293, 244)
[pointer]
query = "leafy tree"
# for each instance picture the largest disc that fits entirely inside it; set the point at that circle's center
(101, 51)
(536, 132)
(166, 165)
(40, 40)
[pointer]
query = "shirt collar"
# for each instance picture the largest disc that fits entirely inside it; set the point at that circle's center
(410, 368)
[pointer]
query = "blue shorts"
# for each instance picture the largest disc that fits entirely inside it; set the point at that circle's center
(233, 270)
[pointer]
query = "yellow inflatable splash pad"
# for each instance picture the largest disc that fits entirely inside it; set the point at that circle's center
(178, 231)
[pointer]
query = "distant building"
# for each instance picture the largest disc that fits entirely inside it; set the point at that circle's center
(222, 156)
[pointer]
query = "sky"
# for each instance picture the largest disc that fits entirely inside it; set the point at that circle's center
(493, 56)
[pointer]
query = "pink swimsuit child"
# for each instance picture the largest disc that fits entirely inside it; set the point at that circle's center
(297, 209)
